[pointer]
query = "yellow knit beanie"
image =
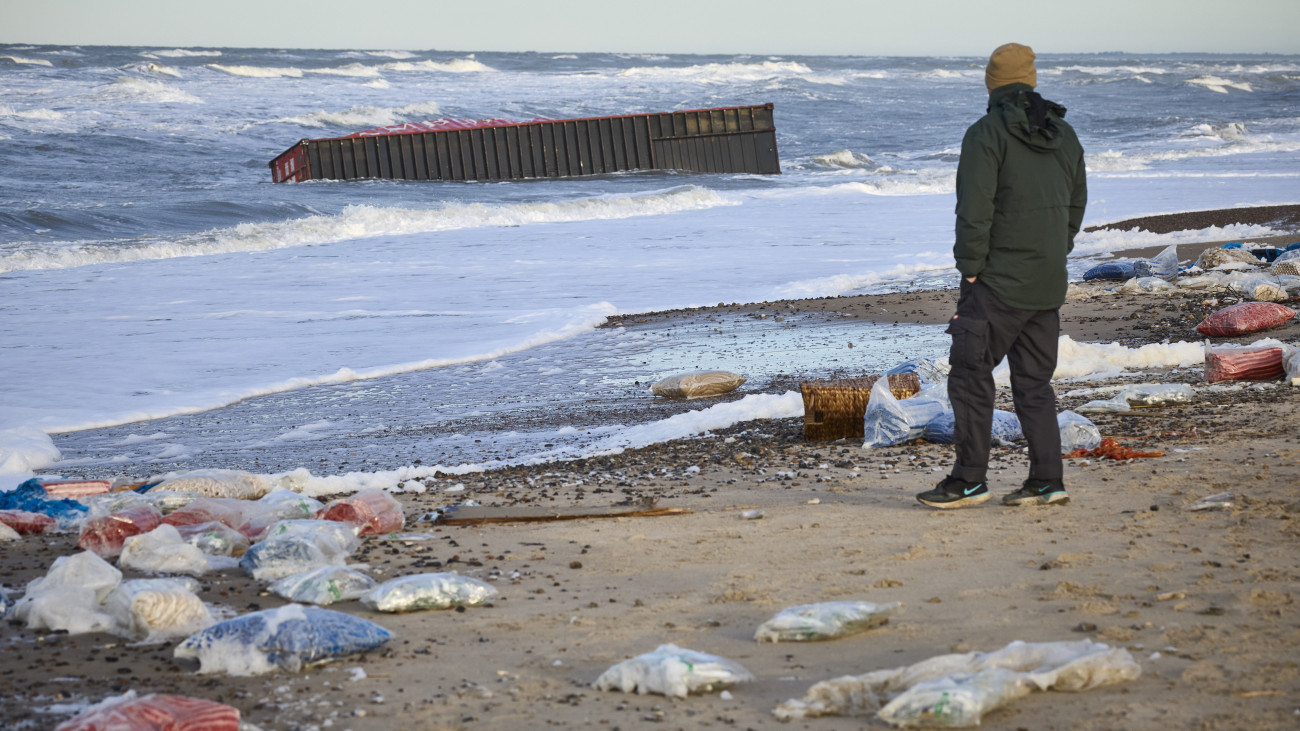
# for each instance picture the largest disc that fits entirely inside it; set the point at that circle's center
(1011, 63)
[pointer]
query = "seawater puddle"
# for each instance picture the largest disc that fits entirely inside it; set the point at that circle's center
(552, 400)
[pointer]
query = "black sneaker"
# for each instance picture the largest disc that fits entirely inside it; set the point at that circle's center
(955, 493)
(1038, 492)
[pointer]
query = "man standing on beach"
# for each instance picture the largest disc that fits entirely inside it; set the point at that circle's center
(1020, 198)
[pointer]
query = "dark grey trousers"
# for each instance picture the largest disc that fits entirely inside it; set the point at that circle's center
(984, 332)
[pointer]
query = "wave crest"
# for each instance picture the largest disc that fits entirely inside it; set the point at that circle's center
(719, 73)
(28, 61)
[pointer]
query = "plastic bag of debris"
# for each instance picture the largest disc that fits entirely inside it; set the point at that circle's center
(26, 523)
(274, 507)
(1287, 263)
(218, 483)
(373, 511)
(324, 585)
(1229, 363)
(699, 384)
(1141, 395)
(232, 512)
(929, 371)
(825, 621)
(31, 497)
(289, 638)
(214, 539)
(673, 671)
(70, 596)
(169, 501)
(428, 591)
(1110, 270)
(105, 534)
(1162, 266)
(7, 533)
(152, 713)
(295, 546)
(1211, 258)
(1245, 317)
(1005, 428)
(957, 690)
(162, 551)
(1258, 287)
(1146, 285)
(1077, 432)
(158, 609)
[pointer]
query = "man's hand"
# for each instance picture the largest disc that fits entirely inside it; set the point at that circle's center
(971, 279)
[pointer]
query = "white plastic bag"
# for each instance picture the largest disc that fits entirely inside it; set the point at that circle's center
(219, 483)
(274, 507)
(162, 551)
(70, 595)
(1077, 432)
(428, 591)
(957, 690)
(884, 422)
(824, 621)
(295, 546)
(214, 539)
(699, 384)
(1146, 285)
(158, 609)
(289, 638)
(673, 671)
(324, 585)
(1163, 265)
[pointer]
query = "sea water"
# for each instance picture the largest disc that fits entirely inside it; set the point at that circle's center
(152, 273)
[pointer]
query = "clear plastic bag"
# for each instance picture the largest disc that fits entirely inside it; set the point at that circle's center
(673, 671)
(957, 690)
(214, 539)
(1217, 501)
(1005, 428)
(1146, 285)
(699, 384)
(1163, 265)
(26, 523)
(70, 595)
(154, 713)
(1142, 395)
(295, 546)
(825, 621)
(8, 534)
(1227, 363)
(227, 511)
(218, 483)
(428, 591)
(169, 501)
(1110, 270)
(1212, 258)
(158, 609)
(274, 507)
(324, 585)
(929, 371)
(105, 535)
(289, 638)
(1077, 432)
(162, 551)
(30, 496)
(884, 422)
(374, 511)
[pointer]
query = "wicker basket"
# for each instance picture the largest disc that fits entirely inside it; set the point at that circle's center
(835, 409)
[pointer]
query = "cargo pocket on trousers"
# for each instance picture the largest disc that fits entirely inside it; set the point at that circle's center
(970, 341)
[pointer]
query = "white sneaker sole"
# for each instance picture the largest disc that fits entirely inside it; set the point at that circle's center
(965, 502)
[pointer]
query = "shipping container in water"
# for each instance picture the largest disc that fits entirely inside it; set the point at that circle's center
(724, 140)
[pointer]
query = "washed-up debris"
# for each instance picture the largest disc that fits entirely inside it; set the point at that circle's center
(158, 609)
(1146, 285)
(295, 546)
(1111, 449)
(274, 507)
(324, 585)
(888, 420)
(929, 371)
(231, 512)
(214, 539)
(70, 596)
(6, 604)
(673, 671)
(163, 551)
(1163, 266)
(75, 488)
(1288, 263)
(1229, 363)
(699, 384)
(429, 591)
(26, 523)
(1245, 317)
(825, 621)
(1217, 501)
(373, 511)
(218, 483)
(30, 496)
(835, 409)
(1211, 258)
(8, 534)
(289, 638)
(1142, 395)
(155, 712)
(957, 690)
(105, 534)
(480, 515)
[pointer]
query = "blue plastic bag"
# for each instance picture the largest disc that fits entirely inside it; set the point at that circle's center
(929, 371)
(289, 638)
(1110, 270)
(1006, 428)
(31, 496)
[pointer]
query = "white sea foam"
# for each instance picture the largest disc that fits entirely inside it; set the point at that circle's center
(1108, 70)
(719, 73)
(28, 61)
(23, 450)
(130, 89)
(180, 53)
(366, 116)
(391, 54)
(838, 284)
(1231, 141)
(1098, 242)
(454, 66)
(34, 114)
(154, 68)
(1214, 83)
(362, 221)
(258, 72)
(845, 159)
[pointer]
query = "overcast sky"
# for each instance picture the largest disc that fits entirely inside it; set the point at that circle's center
(857, 27)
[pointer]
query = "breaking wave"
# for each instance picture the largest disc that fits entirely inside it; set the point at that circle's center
(366, 116)
(29, 61)
(355, 222)
(719, 73)
(455, 66)
(136, 90)
(179, 53)
(1220, 85)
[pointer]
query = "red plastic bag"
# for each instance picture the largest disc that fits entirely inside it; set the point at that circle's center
(1239, 364)
(27, 523)
(225, 510)
(1247, 317)
(374, 509)
(104, 536)
(75, 488)
(155, 713)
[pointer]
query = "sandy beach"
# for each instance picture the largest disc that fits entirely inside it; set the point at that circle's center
(1206, 602)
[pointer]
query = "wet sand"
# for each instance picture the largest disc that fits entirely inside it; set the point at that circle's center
(1206, 602)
